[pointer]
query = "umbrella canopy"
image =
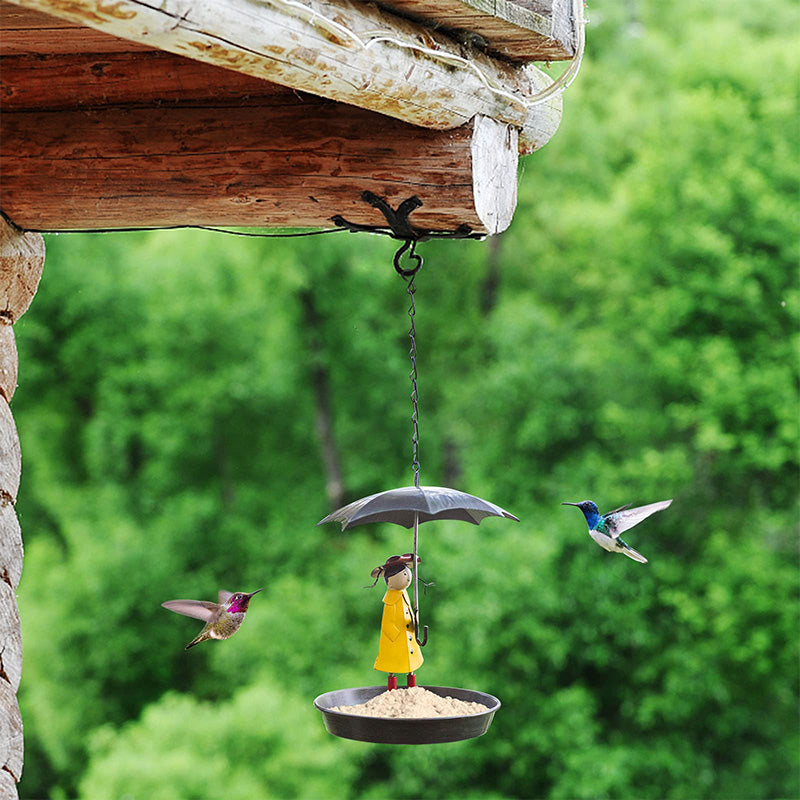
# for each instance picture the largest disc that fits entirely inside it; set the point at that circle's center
(425, 502)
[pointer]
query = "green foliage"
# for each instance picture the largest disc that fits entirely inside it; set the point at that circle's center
(184, 749)
(633, 337)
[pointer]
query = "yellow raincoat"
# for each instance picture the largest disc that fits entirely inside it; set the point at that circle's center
(398, 650)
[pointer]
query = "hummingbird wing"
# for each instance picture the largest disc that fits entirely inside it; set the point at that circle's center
(199, 609)
(621, 508)
(224, 596)
(617, 522)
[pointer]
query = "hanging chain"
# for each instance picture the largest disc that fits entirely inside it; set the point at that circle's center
(408, 276)
(412, 334)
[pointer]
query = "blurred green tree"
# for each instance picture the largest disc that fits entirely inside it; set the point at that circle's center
(633, 337)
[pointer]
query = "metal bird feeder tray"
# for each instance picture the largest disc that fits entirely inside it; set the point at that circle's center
(422, 730)
(409, 506)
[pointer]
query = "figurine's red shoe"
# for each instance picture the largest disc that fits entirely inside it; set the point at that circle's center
(411, 680)
(392, 683)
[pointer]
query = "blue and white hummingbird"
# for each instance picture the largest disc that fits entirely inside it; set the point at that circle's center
(606, 528)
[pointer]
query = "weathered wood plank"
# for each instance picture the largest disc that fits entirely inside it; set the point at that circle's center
(8, 786)
(18, 18)
(8, 360)
(10, 458)
(25, 31)
(67, 40)
(292, 165)
(21, 262)
(56, 82)
(10, 546)
(522, 31)
(494, 156)
(348, 51)
(10, 637)
(11, 745)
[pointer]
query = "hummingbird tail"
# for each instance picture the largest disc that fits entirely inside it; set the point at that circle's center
(201, 638)
(631, 553)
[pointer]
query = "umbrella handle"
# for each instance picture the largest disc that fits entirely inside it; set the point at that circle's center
(421, 642)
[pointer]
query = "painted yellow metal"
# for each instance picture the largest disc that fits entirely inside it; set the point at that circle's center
(398, 651)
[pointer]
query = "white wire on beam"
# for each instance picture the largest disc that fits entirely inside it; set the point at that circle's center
(337, 30)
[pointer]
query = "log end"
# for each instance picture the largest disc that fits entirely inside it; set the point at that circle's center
(21, 263)
(495, 149)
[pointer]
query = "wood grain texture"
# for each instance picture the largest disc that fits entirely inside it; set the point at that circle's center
(564, 25)
(10, 546)
(277, 162)
(8, 786)
(10, 637)
(494, 162)
(8, 360)
(10, 457)
(266, 40)
(26, 31)
(21, 263)
(11, 745)
(520, 31)
(92, 80)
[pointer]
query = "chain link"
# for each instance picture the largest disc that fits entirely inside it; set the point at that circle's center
(412, 335)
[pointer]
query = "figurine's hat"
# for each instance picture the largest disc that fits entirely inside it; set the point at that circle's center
(393, 565)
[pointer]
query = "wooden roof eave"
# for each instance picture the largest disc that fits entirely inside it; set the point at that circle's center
(517, 30)
(163, 116)
(348, 51)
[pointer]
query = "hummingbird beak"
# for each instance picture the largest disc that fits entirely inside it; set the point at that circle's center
(570, 504)
(255, 592)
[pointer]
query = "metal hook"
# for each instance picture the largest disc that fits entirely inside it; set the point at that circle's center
(424, 640)
(410, 245)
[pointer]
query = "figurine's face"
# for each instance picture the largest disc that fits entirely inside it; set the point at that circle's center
(402, 580)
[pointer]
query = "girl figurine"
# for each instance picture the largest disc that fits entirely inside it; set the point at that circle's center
(398, 650)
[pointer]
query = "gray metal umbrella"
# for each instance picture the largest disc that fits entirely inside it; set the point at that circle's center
(410, 505)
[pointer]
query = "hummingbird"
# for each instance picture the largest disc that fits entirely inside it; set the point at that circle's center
(606, 528)
(222, 619)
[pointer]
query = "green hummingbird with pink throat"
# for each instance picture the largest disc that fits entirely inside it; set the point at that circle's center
(222, 619)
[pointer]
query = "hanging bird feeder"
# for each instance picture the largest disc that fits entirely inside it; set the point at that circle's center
(409, 506)
(390, 730)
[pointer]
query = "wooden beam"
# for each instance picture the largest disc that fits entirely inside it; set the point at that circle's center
(10, 547)
(11, 745)
(10, 458)
(24, 31)
(225, 155)
(21, 261)
(154, 78)
(348, 51)
(11, 654)
(8, 360)
(521, 30)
